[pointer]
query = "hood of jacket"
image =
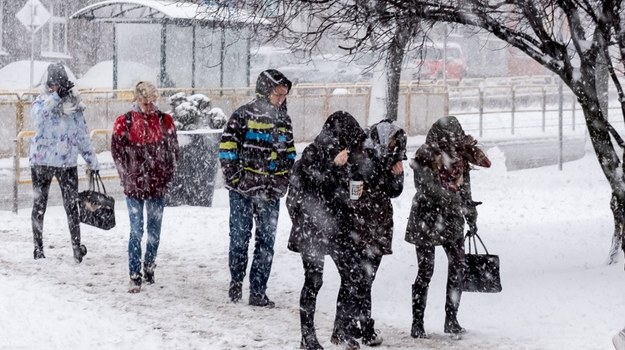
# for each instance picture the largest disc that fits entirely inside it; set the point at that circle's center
(380, 136)
(340, 131)
(268, 80)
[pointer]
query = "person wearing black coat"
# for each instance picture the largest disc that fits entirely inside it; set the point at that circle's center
(371, 230)
(441, 205)
(317, 202)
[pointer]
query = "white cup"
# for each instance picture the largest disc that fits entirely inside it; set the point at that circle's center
(355, 189)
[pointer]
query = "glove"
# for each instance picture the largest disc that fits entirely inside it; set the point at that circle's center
(472, 230)
(90, 172)
(65, 89)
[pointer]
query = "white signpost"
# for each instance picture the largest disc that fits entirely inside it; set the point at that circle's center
(33, 15)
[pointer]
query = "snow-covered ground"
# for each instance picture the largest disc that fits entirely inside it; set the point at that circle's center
(551, 229)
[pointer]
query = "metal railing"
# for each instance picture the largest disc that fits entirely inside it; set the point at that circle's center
(19, 145)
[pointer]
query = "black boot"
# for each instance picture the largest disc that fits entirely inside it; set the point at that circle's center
(307, 321)
(370, 336)
(148, 273)
(79, 252)
(235, 292)
(451, 311)
(38, 253)
(419, 300)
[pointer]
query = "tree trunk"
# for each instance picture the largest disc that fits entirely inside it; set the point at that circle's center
(394, 60)
(609, 162)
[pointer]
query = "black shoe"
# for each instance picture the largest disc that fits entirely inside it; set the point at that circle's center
(348, 342)
(372, 339)
(235, 292)
(417, 331)
(310, 343)
(135, 283)
(38, 253)
(452, 326)
(79, 252)
(148, 273)
(261, 300)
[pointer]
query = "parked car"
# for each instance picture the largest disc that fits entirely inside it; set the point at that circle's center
(15, 76)
(100, 76)
(429, 62)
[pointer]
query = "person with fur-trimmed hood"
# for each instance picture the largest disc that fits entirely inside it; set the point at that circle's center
(441, 205)
(256, 153)
(318, 203)
(61, 134)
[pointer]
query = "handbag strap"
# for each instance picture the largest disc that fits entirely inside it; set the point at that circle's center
(473, 238)
(95, 181)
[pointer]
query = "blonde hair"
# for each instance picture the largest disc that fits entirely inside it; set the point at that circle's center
(147, 91)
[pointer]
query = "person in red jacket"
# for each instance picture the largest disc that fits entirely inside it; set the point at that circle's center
(145, 150)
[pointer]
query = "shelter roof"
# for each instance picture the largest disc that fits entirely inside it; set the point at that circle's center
(160, 11)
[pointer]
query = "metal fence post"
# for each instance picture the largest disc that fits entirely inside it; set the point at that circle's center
(15, 174)
(481, 110)
(513, 90)
(544, 121)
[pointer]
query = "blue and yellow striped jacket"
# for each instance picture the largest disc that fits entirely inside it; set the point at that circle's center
(257, 150)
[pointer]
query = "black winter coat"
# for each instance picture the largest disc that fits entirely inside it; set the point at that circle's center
(438, 214)
(372, 217)
(318, 196)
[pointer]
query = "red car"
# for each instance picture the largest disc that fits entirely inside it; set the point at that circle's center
(429, 63)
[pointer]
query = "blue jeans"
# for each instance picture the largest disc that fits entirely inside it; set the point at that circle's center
(154, 208)
(243, 212)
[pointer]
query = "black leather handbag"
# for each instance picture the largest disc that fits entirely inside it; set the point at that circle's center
(95, 206)
(482, 273)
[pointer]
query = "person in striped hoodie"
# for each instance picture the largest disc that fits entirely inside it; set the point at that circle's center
(256, 154)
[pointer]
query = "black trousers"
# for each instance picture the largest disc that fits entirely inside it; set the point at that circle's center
(68, 181)
(455, 272)
(313, 279)
(357, 270)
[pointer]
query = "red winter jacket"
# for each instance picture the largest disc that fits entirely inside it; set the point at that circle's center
(145, 153)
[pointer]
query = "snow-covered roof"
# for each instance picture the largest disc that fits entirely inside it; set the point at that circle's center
(150, 11)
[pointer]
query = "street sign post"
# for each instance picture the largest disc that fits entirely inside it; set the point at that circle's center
(33, 15)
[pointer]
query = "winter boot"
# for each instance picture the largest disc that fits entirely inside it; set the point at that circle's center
(38, 253)
(261, 300)
(148, 273)
(370, 336)
(307, 322)
(135, 283)
(79, 252)
(235, 292)
(348, 342)
(451, 311)
(419, 300)
(310, 343)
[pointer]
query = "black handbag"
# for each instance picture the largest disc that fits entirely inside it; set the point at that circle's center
(95, 206)
(482, 273)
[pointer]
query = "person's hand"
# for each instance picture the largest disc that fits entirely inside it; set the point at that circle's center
(472, 230)
(398, 168)
(91, 172)
(341, 158)
(65, 89)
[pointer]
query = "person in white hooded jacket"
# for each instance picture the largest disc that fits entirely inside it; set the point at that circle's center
(61, 134)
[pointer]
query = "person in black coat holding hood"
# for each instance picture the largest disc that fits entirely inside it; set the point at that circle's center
(441, 205)
(371, 231)
(318, 203)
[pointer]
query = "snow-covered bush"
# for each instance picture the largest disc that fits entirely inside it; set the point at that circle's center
(195, 112)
